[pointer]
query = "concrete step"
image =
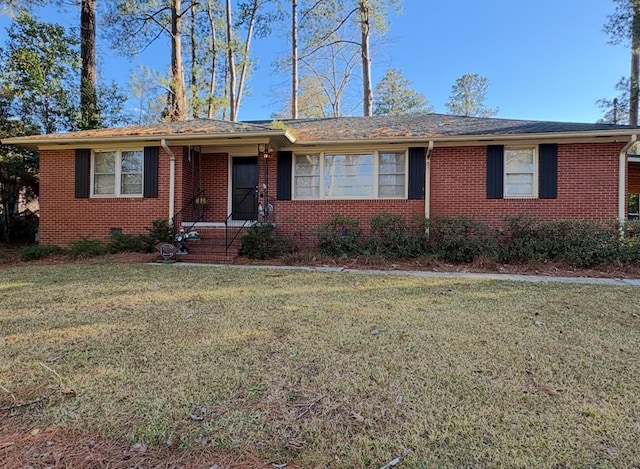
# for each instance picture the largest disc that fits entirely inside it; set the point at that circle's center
(207, 258)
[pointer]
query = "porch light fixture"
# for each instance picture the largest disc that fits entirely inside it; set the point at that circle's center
(263, 150)
(201, 200)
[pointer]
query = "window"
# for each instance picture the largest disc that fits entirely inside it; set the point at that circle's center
(117, 173)
(307, 177)
(350, 176)
(520, 172)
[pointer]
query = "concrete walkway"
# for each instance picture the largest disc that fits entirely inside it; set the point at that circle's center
(619, 282)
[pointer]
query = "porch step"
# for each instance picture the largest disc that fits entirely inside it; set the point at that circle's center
(211, 248)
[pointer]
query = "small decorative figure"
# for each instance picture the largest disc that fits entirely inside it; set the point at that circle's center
(181, 240)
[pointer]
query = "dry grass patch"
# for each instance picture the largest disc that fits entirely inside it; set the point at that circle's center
(328, 369)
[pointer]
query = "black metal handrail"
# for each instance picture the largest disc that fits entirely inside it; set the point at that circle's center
(230, 235)
(192, 211)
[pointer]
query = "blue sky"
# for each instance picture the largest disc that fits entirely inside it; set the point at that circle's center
(545, 60)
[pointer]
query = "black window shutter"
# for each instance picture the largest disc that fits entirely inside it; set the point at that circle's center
(151, 157)
(548, 171)
(285, 161)
(495, 172)
(417, 167)
(83, 173)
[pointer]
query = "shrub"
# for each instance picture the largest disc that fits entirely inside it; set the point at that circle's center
(339, 236)
(393, 237)
(260, 242)
(574, 242)
(32, 253)
(86, 248)
(129, 243)
(160, 232)
(589, 244)
(524, 240)
(463, 240)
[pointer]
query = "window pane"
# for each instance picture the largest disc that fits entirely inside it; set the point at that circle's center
(105, 162)
(104, 184)
(348, 176)
(132, 161)
(307, 176)
(519, 160)
(519, 184)
(131, 184)
(391, 163)
(391, 180)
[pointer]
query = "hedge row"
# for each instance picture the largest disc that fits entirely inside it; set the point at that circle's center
(86, 248)
(464, 240)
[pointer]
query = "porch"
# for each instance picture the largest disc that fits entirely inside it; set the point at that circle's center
(220, 193)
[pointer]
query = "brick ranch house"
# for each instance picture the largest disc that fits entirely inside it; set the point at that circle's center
(223, 175)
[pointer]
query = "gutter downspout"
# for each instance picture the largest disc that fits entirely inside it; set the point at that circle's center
(172, 181)
(622, 183)
(427, 181)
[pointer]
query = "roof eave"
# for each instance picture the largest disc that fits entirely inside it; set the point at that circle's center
(614, 135)
(32, 142)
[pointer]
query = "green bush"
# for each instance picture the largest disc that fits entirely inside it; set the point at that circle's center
(160, 232)
(589, 244)
(32, 253)
(462, 239)
(339, 236)
(394, 237)
(129, 243)
(524, 240)
(260, 242)
(86, 248)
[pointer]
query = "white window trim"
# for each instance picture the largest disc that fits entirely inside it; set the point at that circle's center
(536, 176)
(376, 174)
(118, 174)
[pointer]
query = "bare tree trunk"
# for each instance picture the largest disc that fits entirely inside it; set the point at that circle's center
(231, 66)
(366, 58)
(90, 118)
(178, 110)
(294, 59)
(212, 83)
(245, 55)
(634, 92)
(195, 102)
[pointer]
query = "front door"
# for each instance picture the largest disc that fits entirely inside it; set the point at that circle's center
(244, 182)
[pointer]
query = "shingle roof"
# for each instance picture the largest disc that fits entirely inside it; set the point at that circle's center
(190, 127)
(430, 126)
(416, 127)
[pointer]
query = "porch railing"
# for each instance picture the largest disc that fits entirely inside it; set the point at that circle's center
(233, 230)
(192, 211)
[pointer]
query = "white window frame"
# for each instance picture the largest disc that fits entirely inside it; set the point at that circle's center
(118, 174)
(376, 174)
(535, 174)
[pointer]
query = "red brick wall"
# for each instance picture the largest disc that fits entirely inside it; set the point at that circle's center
(587, 189)
(215, 177)
(587, 185)
(65, 219)
(299, 218)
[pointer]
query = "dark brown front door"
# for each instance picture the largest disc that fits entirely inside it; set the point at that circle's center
(244, 182)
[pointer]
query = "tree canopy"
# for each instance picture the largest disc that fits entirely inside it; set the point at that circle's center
(468, 95)
(394, 96)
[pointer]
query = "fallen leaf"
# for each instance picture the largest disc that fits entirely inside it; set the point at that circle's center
(35, 431)
(357, 417)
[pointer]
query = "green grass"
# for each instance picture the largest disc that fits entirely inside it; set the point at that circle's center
(458, 373)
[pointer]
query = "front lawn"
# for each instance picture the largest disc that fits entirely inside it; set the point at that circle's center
(327, 369)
